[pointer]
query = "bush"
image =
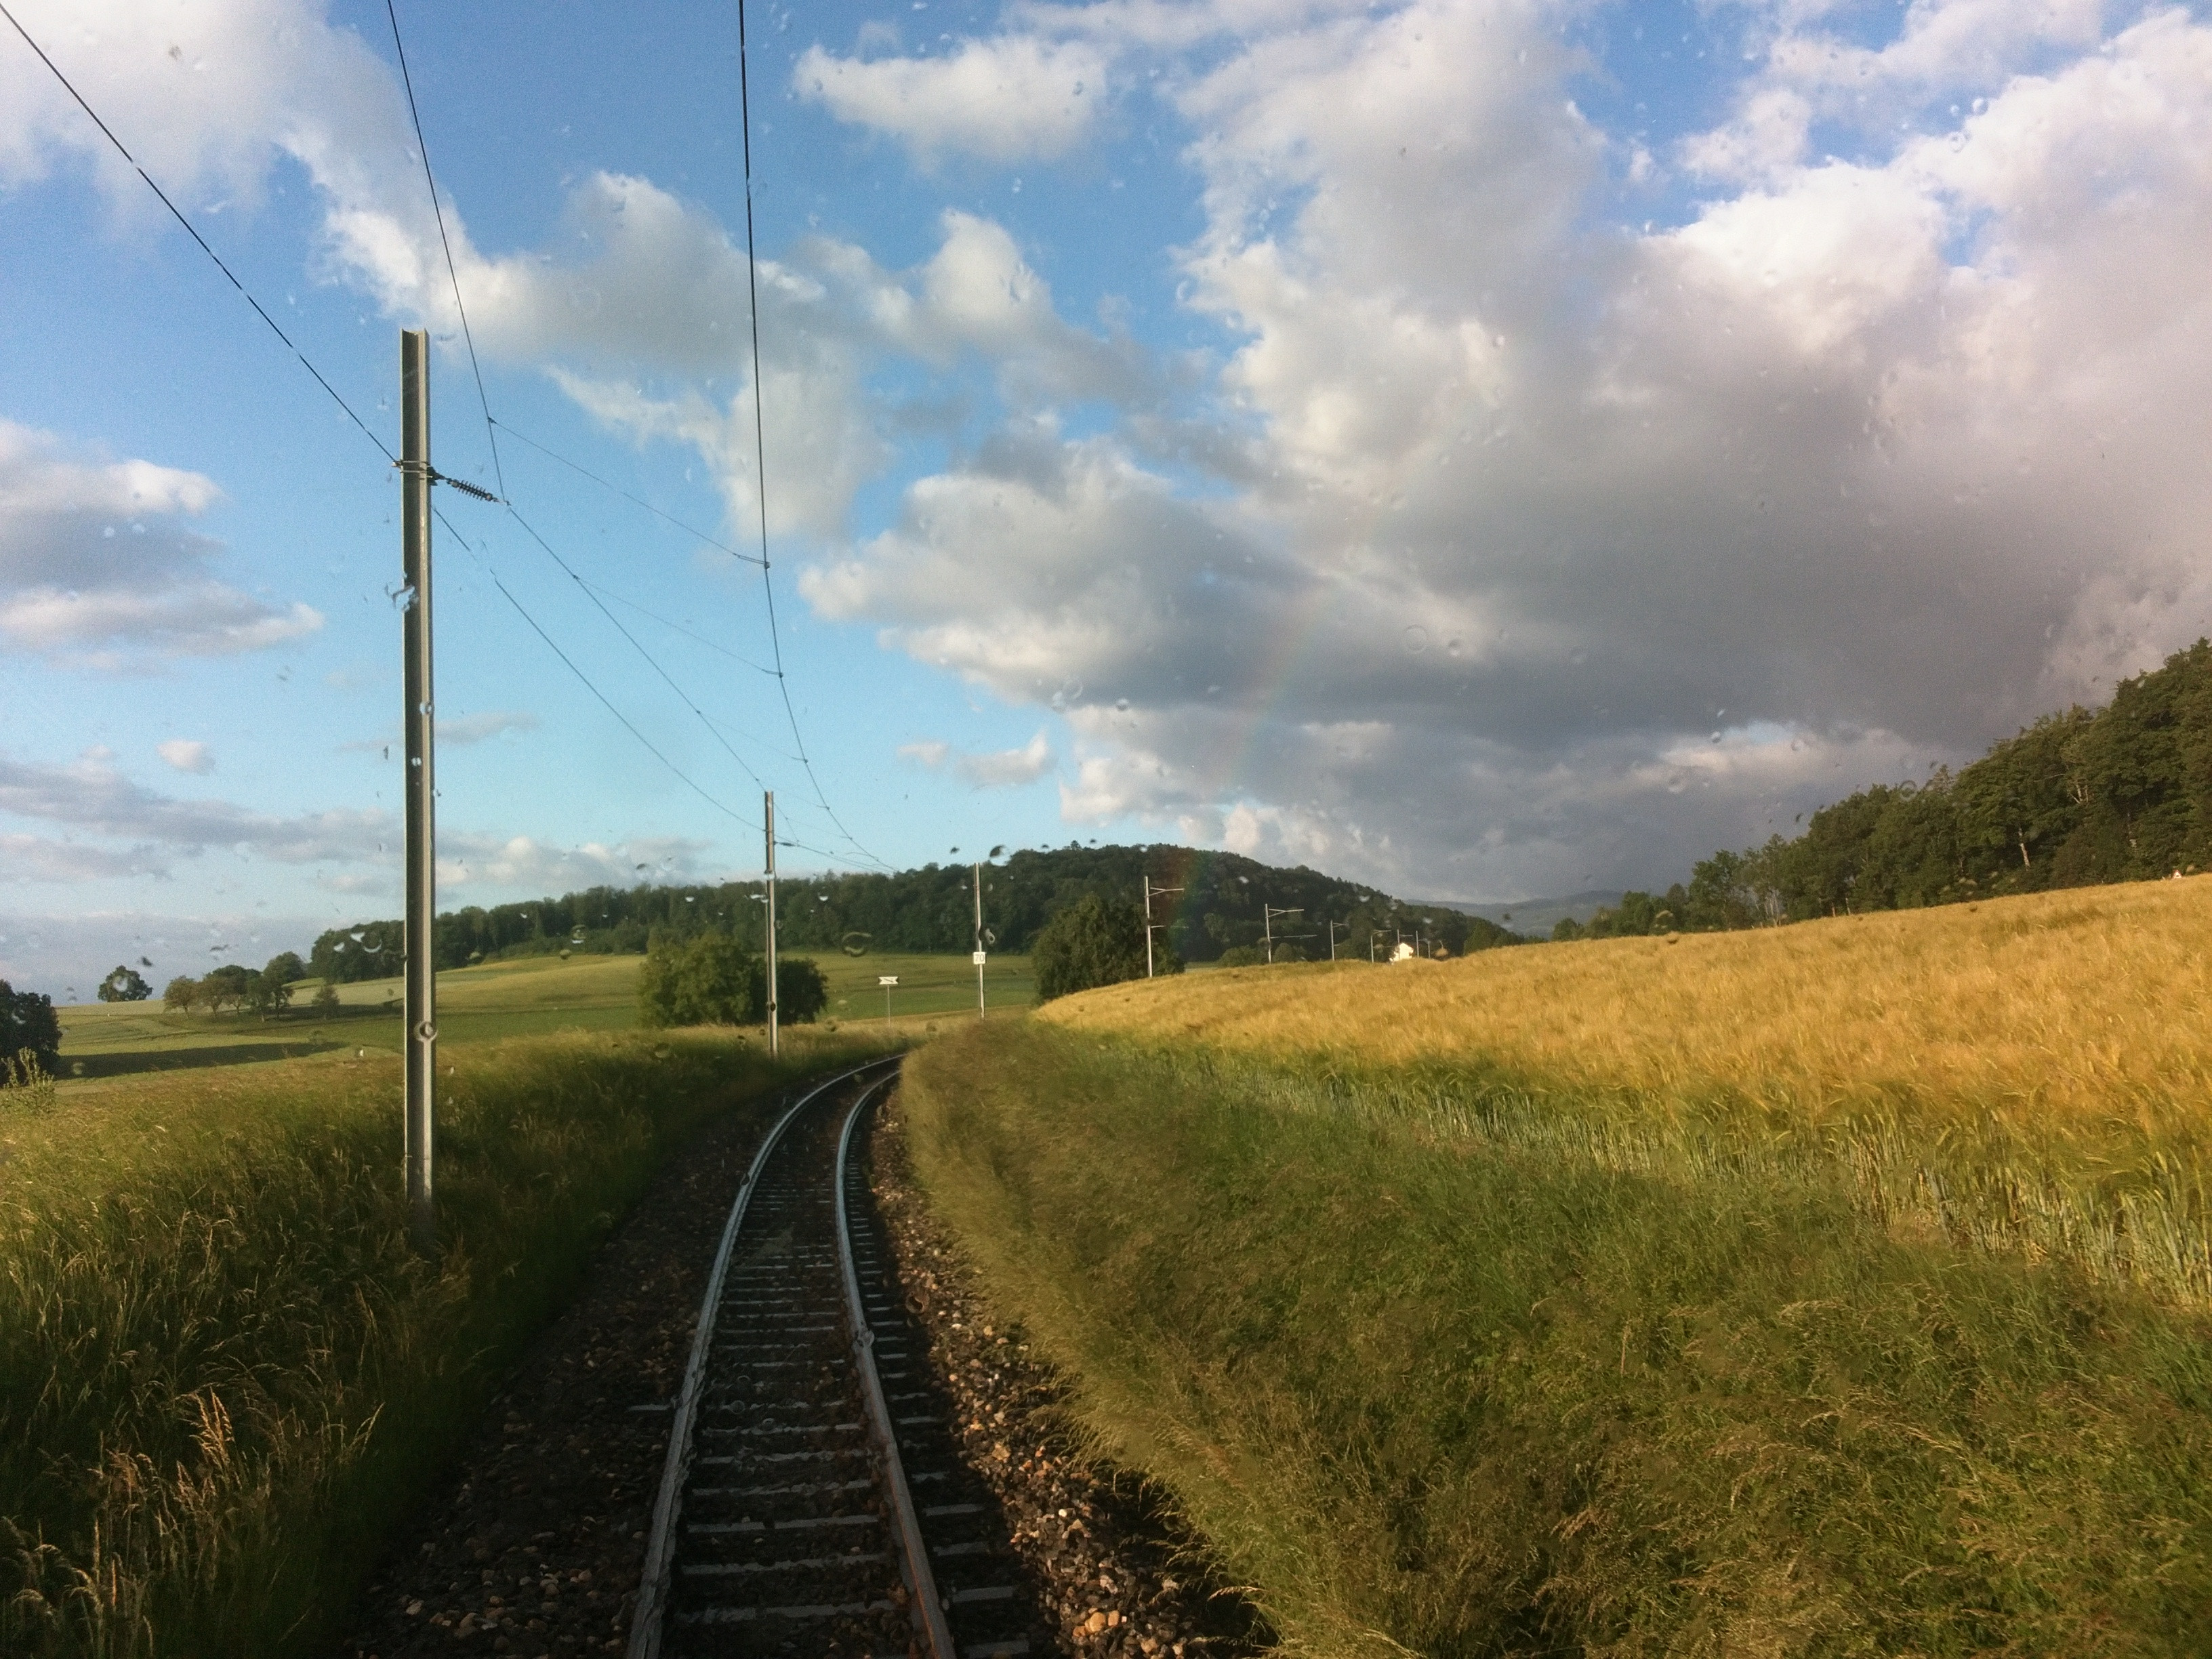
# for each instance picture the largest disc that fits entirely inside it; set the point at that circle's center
(710, 980)
(181, 995)
(326, 999)
(1089, 943)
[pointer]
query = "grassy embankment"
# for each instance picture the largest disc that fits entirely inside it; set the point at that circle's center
(1845, 1288)
(223, 1376)
(527, 997)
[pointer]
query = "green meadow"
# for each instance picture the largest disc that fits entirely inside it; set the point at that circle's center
(531, 996)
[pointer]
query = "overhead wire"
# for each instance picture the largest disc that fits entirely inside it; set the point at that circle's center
(452, 273)
(191, 231)
(760, 449)
(367, 432)
(421, 149)
(689, 530)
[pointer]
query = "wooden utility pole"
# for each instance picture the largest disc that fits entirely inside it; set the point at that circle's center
(418, 729)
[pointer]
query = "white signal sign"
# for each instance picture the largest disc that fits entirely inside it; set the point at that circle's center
(887, 980)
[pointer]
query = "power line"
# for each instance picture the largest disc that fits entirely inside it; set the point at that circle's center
(632, 605)
(384, 449)
(108, 133)
(760, 448)
(423, 148)
(689, 530)
(569, 663)
(453, 274)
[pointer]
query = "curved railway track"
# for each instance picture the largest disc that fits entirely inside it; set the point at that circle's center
(813, 1500)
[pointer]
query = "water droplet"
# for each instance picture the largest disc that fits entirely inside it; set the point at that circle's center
(1417, 640)
(1451, 648)
(1123, 704)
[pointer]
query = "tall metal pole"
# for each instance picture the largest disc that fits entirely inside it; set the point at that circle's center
(978, 942)
(1268, 927)
(419, 998)
(1148, 926)
(767, 824)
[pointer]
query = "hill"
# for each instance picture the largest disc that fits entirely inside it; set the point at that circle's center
(2080, 798)
(1218, 910)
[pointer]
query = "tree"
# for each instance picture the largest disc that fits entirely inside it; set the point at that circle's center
(266, 993)
(125, 984)
(326, 999)
(1092, 942)
(181, 995)
(229, 985)
(28, 1021)
(285, 967)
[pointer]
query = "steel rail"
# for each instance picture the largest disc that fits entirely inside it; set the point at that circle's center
(921, 1579)
(648, 1618)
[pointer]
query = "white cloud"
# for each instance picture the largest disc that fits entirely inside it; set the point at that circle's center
(464, 729)
(1861, 467)
(1008, 768)
(1009, 98)
(185, 754)
(94, 797)
(98, 567)
(522, 863)
(928, 753)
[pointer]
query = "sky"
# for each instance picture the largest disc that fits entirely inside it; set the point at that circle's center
(1484, 448)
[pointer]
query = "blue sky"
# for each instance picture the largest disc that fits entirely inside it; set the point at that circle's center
(1484, 449)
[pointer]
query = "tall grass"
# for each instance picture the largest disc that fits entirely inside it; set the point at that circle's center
(223, 1375)
(2060, 1013)
(1465, 1324)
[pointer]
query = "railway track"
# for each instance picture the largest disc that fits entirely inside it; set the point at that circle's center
(813, 1500)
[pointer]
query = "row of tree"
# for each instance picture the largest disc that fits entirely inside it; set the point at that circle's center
(2119, 793)
(1206, 905)
(266, 993)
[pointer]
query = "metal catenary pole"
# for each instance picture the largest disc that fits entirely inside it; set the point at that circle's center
(768, 827)
(980, 1009)
(421, 993)
(1147, 881)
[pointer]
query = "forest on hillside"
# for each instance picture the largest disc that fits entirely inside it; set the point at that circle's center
(1217, 913)
(2118, 794)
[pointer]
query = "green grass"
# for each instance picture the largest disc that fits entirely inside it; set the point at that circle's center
(531, 996)
(1440, 1364)
(223, 1376)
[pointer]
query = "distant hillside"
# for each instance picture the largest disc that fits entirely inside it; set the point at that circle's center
(1535, 918)
(2080, 798)
(1218, 911)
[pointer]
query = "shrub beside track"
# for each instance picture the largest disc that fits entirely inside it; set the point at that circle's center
(223, 1376)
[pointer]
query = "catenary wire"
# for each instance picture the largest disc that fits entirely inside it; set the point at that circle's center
(681, 776)
(384, 449)
(190, 230)
(423, 148)
(689, 530)
(760, 449)
(452, 273)
(632, 605)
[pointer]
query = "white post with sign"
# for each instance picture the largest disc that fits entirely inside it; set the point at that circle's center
(887, 980)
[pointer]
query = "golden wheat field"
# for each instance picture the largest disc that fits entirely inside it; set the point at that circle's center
(2053, 1011)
